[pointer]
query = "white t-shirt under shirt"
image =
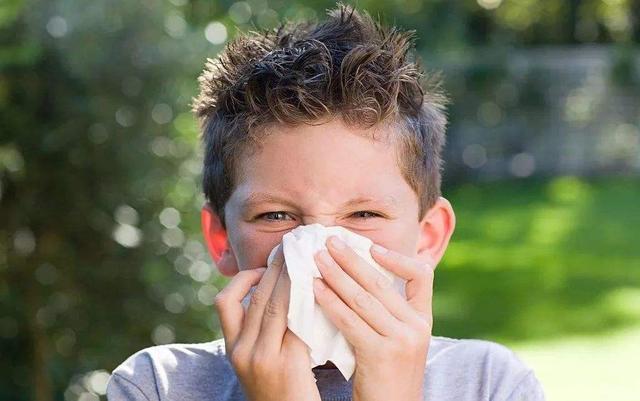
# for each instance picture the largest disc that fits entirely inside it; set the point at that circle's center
(456, 370)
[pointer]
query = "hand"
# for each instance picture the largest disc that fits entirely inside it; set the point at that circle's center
(270, 361)
(390, 334)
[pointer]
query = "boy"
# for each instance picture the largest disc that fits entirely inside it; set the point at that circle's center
(324, 124)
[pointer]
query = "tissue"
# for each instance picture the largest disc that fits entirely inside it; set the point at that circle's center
(305, 317)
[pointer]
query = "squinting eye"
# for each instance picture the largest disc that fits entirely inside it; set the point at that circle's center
(272, 214)
(373, 214)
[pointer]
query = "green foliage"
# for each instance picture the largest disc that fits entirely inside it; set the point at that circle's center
(9, 10)
(100, 251)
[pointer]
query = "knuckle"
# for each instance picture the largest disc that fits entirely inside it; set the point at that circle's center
(363, 299)
(408, 341)
(382, 282)
(238, 359)
(259, 363)
(220, 300)
(257, 297)
(346, 321)
(272, 309)
(421, 324)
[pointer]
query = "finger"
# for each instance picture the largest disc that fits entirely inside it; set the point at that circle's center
(419, 276)
(276, 261)
(357, 332)
(228, 303)
(293, 343)
(357, 298)
(374, 282)
(274, 319)
(258, 302)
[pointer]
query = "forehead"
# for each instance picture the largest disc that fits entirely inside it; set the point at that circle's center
(330, 162)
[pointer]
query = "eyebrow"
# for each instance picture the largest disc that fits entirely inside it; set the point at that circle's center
(261, 197)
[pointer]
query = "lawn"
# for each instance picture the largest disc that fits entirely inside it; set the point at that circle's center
(551, 268)
(586, 368)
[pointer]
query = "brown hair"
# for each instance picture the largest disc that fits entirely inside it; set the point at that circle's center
(348, 66)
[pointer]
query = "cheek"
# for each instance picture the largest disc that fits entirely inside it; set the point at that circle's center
(399, 238)
(253, 247)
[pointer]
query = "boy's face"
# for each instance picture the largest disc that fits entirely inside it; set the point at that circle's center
(328, 174)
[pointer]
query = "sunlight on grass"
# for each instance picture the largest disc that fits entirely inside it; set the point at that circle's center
(551, 225)
(586, 368)
(551, 269)
(568, 190)
(540, 259)
(624, 301)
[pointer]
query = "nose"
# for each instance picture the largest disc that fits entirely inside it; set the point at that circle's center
(325, 220)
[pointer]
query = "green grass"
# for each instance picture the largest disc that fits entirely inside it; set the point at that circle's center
(535, 260)
(552, 270)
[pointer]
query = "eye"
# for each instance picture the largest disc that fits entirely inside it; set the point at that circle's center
(372, 214)
(278, 213)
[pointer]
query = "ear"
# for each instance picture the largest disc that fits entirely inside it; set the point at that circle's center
(436, 228)
(216, 238)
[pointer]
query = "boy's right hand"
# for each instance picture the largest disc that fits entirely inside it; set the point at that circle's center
(270, 361)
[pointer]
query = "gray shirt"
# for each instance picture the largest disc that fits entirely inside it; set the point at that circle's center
(456, 370)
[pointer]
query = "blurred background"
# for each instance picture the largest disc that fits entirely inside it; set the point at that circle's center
(101, 253)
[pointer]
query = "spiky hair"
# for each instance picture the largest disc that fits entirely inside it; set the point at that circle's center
(348, 66)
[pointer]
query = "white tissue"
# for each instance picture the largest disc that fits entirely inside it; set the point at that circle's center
(305, 317)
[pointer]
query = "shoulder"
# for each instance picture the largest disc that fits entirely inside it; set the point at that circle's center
(473, 350)
(173, 371)
(483, 370)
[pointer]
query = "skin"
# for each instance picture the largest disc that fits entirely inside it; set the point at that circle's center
(315, 170)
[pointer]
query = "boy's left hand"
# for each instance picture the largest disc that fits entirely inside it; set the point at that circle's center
(390, 335)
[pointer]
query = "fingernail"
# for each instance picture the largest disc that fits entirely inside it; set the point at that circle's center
(337, 242)
(379, 249)
(318, 284)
